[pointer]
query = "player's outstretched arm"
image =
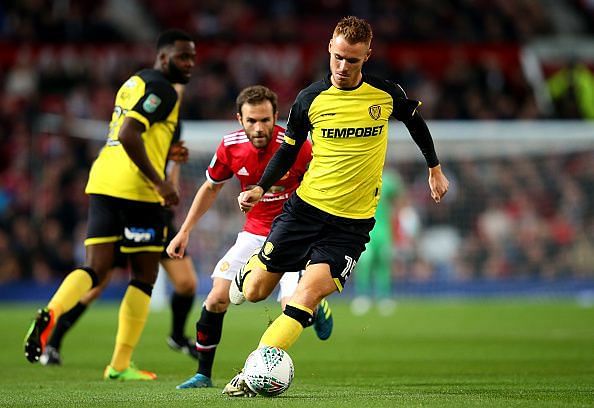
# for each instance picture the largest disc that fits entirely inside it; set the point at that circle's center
(438, 183)
(203, 200)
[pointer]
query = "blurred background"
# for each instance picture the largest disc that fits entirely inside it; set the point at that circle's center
(507, 86)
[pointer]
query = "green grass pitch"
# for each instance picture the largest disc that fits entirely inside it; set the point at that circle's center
(429, 353)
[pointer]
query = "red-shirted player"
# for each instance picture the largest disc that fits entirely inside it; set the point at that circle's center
(245, 154)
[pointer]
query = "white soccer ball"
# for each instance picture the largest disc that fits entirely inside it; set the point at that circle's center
(268, 371)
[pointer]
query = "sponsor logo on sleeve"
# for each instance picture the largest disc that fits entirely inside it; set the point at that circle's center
(151, 103)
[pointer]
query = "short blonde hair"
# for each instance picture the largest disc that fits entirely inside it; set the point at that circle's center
(354, 30)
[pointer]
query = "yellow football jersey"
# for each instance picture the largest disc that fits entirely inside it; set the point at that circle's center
(149, 98)
(349, 132)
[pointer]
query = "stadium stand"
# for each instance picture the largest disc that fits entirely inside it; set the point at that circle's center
(506, 217)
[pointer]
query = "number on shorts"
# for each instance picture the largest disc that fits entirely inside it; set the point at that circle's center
(350, 265)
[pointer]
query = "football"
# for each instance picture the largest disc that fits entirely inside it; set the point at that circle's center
(268, 371)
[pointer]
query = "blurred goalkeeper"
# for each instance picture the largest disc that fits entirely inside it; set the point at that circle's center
(325, 225)
(243, 154)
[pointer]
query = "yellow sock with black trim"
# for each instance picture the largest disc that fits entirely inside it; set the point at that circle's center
(73, 287)
(287, 328)
(134, 311)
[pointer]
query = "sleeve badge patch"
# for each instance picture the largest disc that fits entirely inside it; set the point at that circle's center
(151, 103)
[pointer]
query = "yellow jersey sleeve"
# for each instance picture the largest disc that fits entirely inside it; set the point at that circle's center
(149, 98)
(155, 104)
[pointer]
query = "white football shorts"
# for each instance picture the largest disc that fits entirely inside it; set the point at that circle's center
(245, 245)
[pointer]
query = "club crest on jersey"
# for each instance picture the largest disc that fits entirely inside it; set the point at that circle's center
(268, 248)
(375, 111)
(224, 266)
(151, 103)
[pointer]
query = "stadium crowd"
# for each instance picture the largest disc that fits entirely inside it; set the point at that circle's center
(526, 218)
(523, 218)
(286, 20)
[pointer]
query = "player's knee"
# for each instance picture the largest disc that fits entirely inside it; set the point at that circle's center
(313, 291)
(254, 293)
(309, 296)
(145, 287)
(147, 276)
(185, 286)
(217, 301)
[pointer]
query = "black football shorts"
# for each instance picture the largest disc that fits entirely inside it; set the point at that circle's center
(303, 234)
(137, 226)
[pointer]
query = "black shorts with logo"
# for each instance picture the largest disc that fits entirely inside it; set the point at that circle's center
(137, 226)
(121, 260)
(303, 234)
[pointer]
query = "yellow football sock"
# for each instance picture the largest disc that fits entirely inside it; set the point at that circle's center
(285, 330)
(73, 287)
(134, 311)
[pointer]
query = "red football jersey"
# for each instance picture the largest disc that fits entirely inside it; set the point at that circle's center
(236, 155)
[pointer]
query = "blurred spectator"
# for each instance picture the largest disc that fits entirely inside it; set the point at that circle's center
(572, 90)
(58, 21)
(10, 269)
(64, 58)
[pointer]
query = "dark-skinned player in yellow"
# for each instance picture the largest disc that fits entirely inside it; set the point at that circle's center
(127, 194)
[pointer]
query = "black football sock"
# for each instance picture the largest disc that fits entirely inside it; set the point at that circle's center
(208, 335)
(180, 308)
(64, 323)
